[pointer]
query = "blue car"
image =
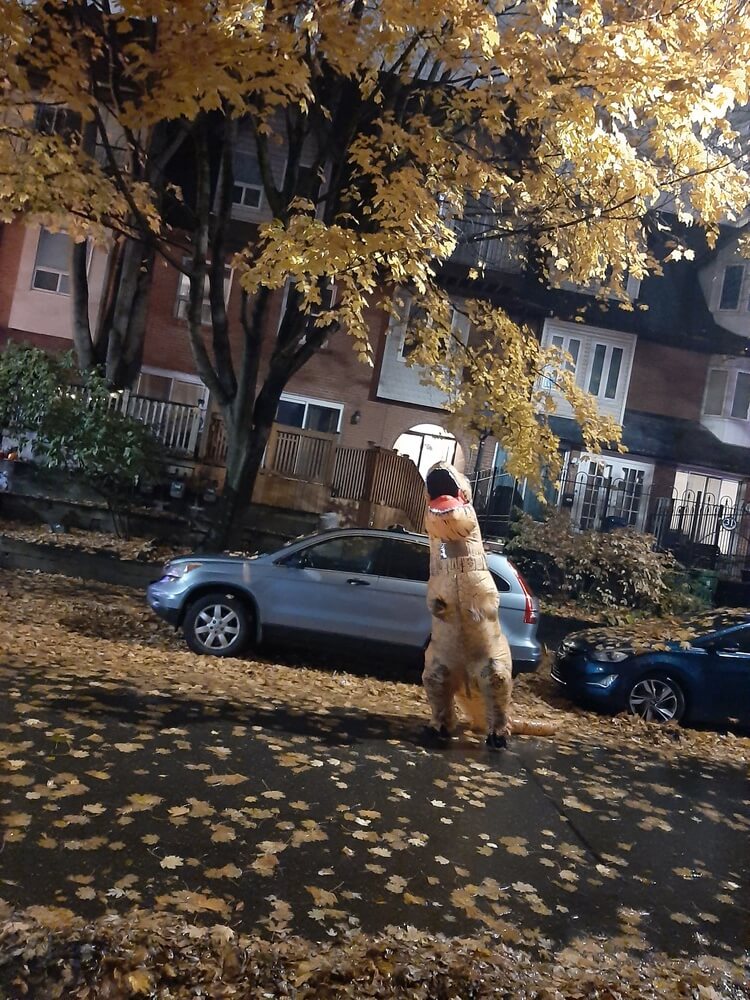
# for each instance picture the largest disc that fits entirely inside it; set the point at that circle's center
(697, 671)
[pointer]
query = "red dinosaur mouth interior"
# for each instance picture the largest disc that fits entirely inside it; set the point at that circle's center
(445, 503)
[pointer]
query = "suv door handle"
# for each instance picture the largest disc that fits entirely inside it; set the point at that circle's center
(359, 583)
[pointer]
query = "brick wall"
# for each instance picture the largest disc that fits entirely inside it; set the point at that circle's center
(667, 381)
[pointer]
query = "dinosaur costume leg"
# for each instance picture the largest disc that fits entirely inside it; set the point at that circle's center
(495, 684)
(439, 685)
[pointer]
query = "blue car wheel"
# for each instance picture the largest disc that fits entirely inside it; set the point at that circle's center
(657, 699)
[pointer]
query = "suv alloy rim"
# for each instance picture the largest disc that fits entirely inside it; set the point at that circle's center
(217, 627)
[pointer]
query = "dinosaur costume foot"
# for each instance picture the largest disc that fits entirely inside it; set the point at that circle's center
(438, 737)
(496, 741)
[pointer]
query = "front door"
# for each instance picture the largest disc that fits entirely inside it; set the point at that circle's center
(610, 492)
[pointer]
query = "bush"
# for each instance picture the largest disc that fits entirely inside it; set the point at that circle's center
(618, 569)
(71, 422)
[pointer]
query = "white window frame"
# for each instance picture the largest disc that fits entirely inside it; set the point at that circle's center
(53, 270)
(307, 401)
(730, 391)
(590, 336)
(182, 300)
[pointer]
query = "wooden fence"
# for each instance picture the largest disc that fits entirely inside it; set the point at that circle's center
(366, 475)
(381, 477)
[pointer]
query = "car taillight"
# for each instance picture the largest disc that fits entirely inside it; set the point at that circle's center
(530, 615)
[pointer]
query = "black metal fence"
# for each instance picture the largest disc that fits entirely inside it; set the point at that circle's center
(703, 530)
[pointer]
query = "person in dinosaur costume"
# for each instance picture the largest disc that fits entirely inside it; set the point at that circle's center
(468, 658)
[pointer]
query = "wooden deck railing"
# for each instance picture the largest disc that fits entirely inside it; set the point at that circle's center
(367, 475)
(290, 452)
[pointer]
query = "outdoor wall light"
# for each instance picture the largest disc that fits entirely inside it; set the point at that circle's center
(355, 417)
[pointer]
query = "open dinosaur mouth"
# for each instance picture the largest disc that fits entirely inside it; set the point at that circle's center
(444, 492)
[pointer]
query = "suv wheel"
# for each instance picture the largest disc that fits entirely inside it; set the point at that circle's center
(657, 699)
(217, 625)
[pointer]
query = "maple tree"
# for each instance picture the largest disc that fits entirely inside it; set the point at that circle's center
(559, 125)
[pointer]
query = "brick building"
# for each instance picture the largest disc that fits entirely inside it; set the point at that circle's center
(674, 369)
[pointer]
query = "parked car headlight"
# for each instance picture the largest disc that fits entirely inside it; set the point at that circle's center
(604, 682)
(609, 655)
(175, 571)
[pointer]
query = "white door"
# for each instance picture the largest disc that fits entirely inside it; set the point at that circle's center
(607, 487)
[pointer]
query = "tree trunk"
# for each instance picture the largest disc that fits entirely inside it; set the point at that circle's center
(245, 448)
(124, 323)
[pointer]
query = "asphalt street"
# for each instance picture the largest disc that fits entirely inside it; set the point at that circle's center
(263, 817)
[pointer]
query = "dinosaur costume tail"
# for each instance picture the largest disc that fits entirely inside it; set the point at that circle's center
(472, 707)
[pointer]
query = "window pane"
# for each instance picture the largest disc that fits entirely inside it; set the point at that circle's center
(46, 280)
(350, 554)
(596, 369)
(251, 197)
(715, 392)
(53, 250)
(501, 583)
(322, 418)
(731, 287)
(406, 561)
(290, 414)
(741, 396)
(615, 363)
(574, 347)
(246, 169)
(558, 342)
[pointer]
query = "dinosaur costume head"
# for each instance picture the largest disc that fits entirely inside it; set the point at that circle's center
(450, 515)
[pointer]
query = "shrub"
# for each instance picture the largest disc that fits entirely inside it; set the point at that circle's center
(71, 422)
(618, 569)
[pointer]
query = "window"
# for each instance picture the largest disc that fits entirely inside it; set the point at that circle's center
(501, 583)
(309, 414)
(248, 182)
(727, 393)
(716, 389)
(183, 295)
(731, 287)
(327, 302)
(741, 402)
(569, 345)
(345, 554)
(600, 360)
(736, 641)
(403, 560)
(417, 315)
(52, 264)
(168, 388)
(605, 371)
(54, 119)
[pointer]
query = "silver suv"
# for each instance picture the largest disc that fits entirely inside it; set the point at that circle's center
(358, 585)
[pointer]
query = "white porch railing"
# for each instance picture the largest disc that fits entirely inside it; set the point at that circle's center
(176, 425)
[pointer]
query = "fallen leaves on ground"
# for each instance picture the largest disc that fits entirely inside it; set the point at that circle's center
(49, 953)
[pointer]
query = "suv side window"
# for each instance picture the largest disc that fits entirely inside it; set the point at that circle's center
(500, 582)
(405, 560)
(347, 554)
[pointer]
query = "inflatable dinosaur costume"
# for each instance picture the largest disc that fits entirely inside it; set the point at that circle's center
(468, 658)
